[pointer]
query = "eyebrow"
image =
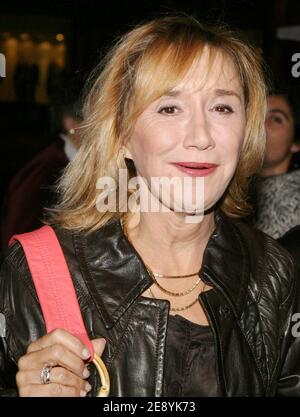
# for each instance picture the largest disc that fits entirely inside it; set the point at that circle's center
(219, 93)
(172, 93)
(285, 115)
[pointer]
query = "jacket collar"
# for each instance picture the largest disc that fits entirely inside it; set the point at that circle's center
(226, 262)
(116, 275)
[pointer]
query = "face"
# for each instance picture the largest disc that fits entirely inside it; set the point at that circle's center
(194, 131)
(280, 131)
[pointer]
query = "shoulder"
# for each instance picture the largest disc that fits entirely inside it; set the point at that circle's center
(15, 260)
(18, 302)
(260, 244)
(272, 267)
(15, 273)
(51, 158)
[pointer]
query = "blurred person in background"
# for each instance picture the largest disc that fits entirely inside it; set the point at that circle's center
(277, 195)
(32, 188)
(278, 187)
(283, 141)
(26, 77)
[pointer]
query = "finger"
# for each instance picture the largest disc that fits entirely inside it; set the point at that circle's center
(50, 390)
(61, 337)
(53, 356)
(58, 375)
(99, 345)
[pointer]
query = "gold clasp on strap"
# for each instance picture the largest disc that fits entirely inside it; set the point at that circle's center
(104, 376)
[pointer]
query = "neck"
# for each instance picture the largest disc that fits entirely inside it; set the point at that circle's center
(167, 243)
(281, 168)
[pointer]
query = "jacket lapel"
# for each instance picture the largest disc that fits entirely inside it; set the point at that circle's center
(113, 271)
(226, 262)
(116, 275)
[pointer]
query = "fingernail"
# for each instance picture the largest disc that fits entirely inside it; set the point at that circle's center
(88, 387)
(86, 373)
(82, 393)
(85, 353)
(103, 341)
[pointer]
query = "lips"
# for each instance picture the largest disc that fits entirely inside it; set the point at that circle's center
(198, 169)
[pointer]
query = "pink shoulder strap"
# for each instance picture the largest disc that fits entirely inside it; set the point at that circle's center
(53, 282)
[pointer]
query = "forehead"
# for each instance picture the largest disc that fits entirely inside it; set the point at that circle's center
(210, 72)
(280, 103)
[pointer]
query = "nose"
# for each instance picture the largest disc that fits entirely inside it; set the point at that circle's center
(198, 133)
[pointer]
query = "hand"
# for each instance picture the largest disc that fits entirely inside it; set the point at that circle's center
(66, 354)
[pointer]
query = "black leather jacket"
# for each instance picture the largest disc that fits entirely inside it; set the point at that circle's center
(250, 310)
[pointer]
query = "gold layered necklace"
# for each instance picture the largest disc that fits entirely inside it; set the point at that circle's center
(155, 275)
(174, 294)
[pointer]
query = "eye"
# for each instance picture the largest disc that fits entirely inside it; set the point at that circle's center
(221, 108)
(168, 110)
(277, 120)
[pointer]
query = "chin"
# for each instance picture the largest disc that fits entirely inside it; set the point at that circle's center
(188, 209)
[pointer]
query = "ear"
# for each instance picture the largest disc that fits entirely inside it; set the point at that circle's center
(295, 147)
(70, 123)
(126, 152)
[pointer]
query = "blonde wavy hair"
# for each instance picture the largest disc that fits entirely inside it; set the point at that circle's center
(143, 65)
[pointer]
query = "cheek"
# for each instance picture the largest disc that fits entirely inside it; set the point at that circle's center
(152, 140)
(279, 143)
(230, 143)
(146, 149)
(277, 134)
(290, 133)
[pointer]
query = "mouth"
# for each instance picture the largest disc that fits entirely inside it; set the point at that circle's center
(196, 169)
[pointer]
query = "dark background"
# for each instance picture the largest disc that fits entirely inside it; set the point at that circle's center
(89, 28)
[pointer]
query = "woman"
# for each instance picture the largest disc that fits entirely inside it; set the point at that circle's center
(181, 301)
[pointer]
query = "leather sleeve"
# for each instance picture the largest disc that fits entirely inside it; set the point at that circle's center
(289, 382)
(8, 367)
(20, 317)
